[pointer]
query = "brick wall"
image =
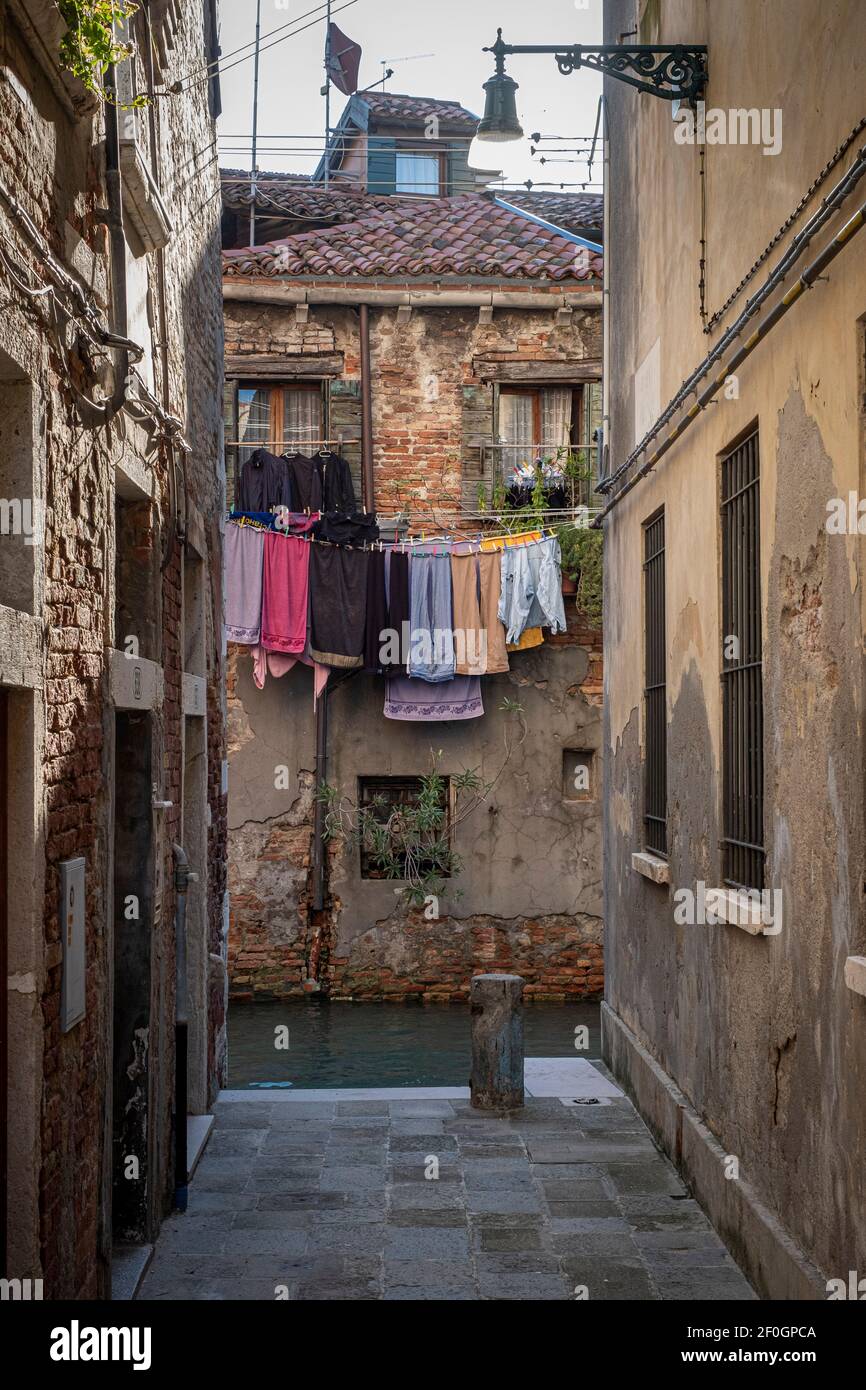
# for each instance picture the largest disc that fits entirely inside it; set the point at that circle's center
(52, 161)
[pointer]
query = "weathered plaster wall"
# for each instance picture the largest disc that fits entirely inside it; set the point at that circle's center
(531, 884)
(760, 1034)
(529, 894)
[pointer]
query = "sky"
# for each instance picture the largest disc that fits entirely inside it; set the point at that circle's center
(450, 35)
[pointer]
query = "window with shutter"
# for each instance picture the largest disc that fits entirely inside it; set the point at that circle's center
(381, 164)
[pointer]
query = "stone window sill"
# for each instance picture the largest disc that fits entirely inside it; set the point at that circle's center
(855, 974)
(651, 866)
(736, 909)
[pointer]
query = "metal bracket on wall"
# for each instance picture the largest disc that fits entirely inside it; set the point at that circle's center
(674, 72)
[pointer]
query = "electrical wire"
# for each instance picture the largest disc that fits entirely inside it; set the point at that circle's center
(177, 88)
(206, 67)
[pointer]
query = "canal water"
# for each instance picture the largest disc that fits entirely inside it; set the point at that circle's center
(343, 1044)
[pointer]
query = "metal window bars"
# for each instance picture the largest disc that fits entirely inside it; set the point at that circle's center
(655, 688)
(741, 676)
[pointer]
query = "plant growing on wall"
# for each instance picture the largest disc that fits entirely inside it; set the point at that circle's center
(413, 840)
(582, 561)
(91, 46)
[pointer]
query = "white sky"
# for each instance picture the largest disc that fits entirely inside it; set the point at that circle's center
(453, 31)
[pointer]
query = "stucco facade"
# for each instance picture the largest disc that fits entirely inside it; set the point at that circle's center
(529, 890)
(737, 1045)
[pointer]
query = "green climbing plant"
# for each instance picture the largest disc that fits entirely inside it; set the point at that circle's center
(91, 46)
(581, 549)
(412, 840)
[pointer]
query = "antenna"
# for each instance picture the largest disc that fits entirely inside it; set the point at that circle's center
(407, 58)
(327, 95)
(255, 127)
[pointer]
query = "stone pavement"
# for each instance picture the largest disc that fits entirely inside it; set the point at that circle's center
(331, 1199)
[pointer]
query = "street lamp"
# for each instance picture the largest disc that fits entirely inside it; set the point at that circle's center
(674, 72)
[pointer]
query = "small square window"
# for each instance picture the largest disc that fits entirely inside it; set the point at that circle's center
(385, 796)
(578, 775)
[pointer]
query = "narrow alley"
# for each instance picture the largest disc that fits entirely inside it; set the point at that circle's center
(432, 695)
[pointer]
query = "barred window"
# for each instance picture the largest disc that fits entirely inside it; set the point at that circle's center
(742, 679)
(655, 688)
(386, 795)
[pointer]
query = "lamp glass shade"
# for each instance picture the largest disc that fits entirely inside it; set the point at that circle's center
(500, 124)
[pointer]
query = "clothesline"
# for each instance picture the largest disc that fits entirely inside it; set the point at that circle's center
(406, 544)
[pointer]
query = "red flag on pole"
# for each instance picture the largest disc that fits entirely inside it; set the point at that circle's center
(344, 59)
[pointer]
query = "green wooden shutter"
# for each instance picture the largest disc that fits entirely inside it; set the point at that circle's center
(381, 164)
(230, 428)
(477, 458)
(460, 176)
(344, 419)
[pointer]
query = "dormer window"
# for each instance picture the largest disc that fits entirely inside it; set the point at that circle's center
(420, 173)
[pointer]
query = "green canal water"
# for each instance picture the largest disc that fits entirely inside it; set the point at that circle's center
(333, 1045)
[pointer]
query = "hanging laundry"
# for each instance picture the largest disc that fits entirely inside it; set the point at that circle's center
(294, 523)
(306, 481)
(264, 521)
(279, 664)
(431, 652)
(470, 639)
(343, 529)
(322, 483)
(376, 620)
(338, 490)
(399, 614)
(532, 636)
(419, 701)
(532, 588)
(490, 576)
(244, 556)
(285, 592)
(264, 483)
(338, 604)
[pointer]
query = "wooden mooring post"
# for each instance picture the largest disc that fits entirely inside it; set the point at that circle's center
(496, 1012)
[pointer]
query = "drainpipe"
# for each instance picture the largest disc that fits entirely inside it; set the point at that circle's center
(319, 850)
(175, 531)
(366, 412)
(112, 216)
(182, 878)
(321, 775)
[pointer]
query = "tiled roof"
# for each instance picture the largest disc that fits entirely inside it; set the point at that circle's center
(295, 196)
(397, 237)
(397, 106)
(573, 211)
(299, 200)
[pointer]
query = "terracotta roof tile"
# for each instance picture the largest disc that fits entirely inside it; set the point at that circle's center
(465, 235)
(399, 106)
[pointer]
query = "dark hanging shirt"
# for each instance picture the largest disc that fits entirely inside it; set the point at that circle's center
(264, 483)
(322, 483)
(306, 480)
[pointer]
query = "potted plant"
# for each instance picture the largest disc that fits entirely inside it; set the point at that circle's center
(581, 568)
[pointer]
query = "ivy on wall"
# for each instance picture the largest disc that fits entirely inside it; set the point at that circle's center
(91, 46)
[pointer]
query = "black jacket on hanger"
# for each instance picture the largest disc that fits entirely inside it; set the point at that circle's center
(338, 492)
(264, 483)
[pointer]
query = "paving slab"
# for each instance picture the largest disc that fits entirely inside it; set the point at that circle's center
(328, 1196)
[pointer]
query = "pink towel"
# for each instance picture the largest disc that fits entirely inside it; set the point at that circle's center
(276, 664)
(284, 593)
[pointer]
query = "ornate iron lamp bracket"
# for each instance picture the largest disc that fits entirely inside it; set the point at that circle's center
(674, 72)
